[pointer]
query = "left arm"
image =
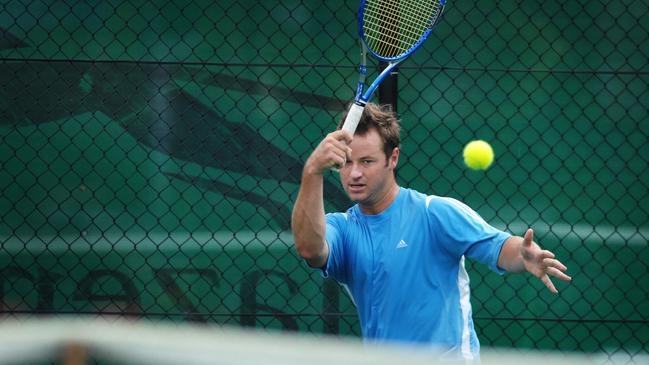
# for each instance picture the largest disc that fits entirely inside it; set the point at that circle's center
(520, 254)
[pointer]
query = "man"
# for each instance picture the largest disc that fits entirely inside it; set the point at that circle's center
(400, 253)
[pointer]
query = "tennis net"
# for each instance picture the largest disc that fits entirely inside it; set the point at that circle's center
(76, 341)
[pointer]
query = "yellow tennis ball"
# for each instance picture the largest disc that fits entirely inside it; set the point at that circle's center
(478, 155)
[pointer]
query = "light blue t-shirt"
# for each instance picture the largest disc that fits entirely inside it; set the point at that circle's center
(404, 269)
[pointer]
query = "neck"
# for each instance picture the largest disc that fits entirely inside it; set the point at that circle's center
(383, 203)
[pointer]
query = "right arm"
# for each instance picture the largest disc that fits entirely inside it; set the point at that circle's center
(308, 219)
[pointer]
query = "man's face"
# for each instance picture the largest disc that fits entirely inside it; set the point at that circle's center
(368, 176)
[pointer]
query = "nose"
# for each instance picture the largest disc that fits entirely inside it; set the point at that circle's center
(356, 171)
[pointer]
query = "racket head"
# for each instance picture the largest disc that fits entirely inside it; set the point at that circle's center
(393, 29)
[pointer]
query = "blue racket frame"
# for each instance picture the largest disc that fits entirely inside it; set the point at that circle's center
(362, 96)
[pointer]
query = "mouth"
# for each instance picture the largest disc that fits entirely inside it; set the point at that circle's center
(355, 188)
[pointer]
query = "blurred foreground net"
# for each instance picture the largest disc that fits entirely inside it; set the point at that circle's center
(98, 341)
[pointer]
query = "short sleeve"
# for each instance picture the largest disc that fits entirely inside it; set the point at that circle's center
(464, 232)
(334, 235)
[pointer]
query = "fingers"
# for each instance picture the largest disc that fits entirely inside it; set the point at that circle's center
(342, 140)
(548, 283)
(333, 151)
(553, 267)
(542, 263)
(558, 274)
(552, 262)
(556, 268)
(545, 255)
(343, 135)
(528, 238)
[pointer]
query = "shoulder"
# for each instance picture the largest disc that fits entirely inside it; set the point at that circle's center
(413, 197)
(337, 219)
(443, 202)
(414, 200)
(342, 218)
(446, 207)
(429, 202)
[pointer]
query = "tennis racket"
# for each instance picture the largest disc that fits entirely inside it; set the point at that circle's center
(391, 30)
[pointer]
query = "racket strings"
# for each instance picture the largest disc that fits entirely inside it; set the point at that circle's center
(392, 27)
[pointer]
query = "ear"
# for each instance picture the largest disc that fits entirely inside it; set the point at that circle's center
(394, 158)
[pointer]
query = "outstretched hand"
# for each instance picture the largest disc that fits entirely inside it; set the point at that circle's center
(541, 263)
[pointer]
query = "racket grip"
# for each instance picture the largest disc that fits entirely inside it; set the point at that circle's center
(351, 122)
(353, 117)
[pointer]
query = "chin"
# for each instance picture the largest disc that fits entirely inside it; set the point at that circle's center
(356, 197)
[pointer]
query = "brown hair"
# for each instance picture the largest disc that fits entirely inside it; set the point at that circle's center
(384, 121)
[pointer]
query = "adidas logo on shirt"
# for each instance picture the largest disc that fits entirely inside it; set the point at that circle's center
(402, 244)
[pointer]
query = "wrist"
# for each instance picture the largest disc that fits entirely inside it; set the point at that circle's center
(311, 169)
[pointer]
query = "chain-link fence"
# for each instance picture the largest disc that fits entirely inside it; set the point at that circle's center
(151, 152)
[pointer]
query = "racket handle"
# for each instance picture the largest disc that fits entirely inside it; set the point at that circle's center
(353, 117)
(351, 122)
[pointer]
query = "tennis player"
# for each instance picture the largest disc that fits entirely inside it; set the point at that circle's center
(400, 253)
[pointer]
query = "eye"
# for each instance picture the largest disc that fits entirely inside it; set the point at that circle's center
(367, 161)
